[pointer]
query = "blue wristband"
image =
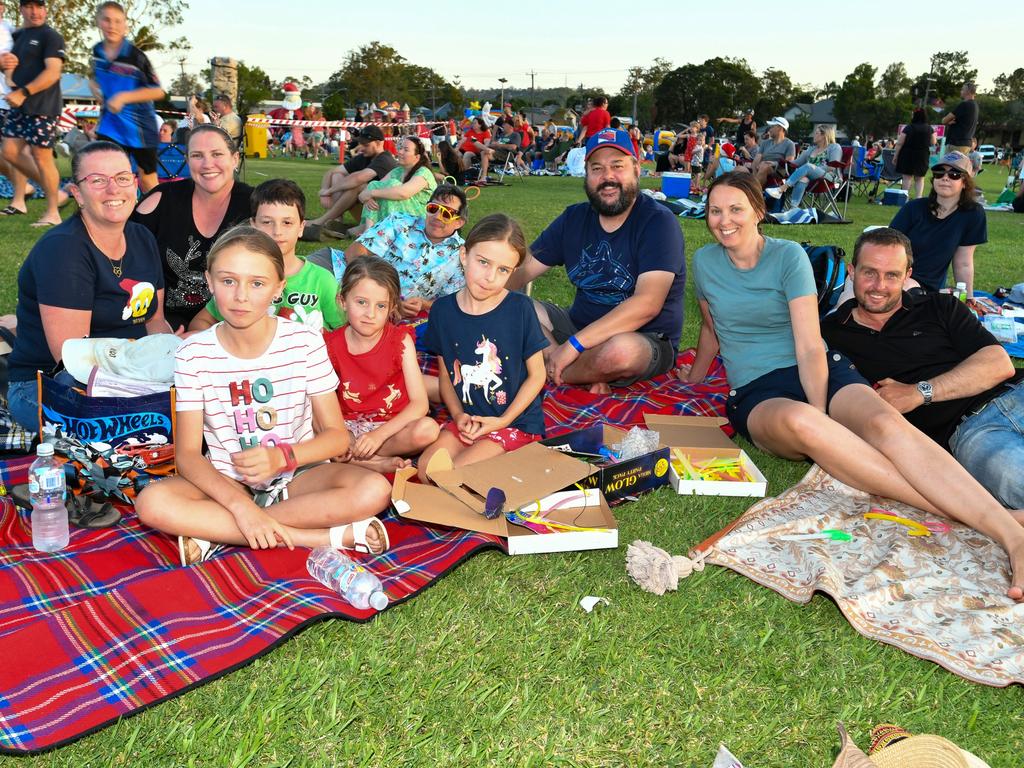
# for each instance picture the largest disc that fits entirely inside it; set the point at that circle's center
(576, 344)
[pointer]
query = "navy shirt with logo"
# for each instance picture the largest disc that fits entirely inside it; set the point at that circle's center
(604, 266)
(485, 355)
(65, 269)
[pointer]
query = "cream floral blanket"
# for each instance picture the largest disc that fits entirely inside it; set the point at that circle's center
(940, 597)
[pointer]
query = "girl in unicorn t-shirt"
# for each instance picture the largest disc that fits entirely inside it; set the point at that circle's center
(488, 342)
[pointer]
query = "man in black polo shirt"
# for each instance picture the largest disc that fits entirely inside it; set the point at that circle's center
(38, 55)
(931, 359)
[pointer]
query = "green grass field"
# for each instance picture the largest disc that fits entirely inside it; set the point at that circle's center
(497, 664)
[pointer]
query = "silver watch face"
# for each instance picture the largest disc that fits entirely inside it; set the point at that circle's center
(925, 389)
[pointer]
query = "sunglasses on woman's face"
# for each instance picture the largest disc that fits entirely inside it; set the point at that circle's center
(443, 211)
(954, 175)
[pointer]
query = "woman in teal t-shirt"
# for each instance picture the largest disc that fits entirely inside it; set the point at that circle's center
(795, 399)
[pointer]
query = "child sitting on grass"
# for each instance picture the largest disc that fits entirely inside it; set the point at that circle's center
(260, 391)
(382, 394)
(488, 342)
(278, 208)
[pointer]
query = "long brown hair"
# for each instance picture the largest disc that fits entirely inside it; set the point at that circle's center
(422, 159)
(968, 198)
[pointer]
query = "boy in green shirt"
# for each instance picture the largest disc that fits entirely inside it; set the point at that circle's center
(310, 291)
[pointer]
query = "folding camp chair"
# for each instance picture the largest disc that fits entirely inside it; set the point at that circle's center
(827, 190)
(888, 174)
(863, 173)
(506, 166)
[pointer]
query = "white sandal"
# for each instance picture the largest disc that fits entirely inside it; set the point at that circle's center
(206, 550)
(359, 529)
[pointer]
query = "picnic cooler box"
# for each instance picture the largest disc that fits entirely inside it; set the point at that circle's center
(675, 184)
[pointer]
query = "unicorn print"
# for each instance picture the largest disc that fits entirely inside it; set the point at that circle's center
(483, 375)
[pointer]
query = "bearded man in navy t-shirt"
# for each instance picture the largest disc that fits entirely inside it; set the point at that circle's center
(625, 255)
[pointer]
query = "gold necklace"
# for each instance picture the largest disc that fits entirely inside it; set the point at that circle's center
(115, 266)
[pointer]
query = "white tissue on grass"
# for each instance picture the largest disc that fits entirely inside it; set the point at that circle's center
(590, 602)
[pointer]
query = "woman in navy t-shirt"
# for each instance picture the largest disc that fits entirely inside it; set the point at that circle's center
(945, 227)
(97, 274)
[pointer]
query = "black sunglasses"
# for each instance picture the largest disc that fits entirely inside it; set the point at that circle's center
(952, 173)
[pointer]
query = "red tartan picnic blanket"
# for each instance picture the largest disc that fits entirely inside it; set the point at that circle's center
(569, 408)
(112, 625)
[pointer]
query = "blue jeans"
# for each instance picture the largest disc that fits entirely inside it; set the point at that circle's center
(800, 178)
(23, 399)
(990, 446)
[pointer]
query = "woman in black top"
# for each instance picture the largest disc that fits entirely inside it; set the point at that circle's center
(187, 216)
(912, 150)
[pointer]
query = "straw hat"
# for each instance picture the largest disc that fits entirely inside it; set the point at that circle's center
(894, 747)
(925, 751)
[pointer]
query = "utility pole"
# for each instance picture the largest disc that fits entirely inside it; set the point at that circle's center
(533, 100)
(634, 107)
(928, 84)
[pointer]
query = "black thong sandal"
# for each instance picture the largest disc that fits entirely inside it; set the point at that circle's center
(86, 512)
(10, 210)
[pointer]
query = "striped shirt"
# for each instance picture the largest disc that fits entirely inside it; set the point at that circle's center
(260, 401)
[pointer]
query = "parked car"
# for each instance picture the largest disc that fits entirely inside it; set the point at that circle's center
(988, 153)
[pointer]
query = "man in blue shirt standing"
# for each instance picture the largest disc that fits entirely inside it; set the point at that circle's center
(625, 255)
(123, 79)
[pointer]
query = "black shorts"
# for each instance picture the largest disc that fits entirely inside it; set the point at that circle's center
(785, 383)
(663, 354)
(144, 157)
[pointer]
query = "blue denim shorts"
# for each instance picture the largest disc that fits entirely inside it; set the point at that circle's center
(785, 383)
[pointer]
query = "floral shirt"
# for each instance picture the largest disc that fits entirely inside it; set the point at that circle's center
(426, 269)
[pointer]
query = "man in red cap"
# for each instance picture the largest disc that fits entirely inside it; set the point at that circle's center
(625, 254)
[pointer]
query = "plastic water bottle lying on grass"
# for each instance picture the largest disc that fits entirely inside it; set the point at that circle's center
(349, 579)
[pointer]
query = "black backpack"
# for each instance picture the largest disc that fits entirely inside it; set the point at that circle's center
(829, 266)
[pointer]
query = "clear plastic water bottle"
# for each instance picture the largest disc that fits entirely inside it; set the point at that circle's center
(47, 490)
(349, 579)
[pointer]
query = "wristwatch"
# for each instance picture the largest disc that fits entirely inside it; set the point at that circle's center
(925, 388)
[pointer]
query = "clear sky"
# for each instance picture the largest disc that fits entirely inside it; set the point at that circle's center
(568, 42)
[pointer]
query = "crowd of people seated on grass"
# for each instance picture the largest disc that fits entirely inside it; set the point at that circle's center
(325, 342)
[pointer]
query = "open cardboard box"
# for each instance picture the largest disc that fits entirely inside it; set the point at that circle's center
(701, 437)
(525, 475)
(618, 481)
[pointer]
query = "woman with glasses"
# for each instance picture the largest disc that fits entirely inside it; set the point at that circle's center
(97, 274)
(945, 227)
(187, 216)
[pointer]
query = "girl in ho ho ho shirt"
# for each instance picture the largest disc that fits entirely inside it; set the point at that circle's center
(261, 391)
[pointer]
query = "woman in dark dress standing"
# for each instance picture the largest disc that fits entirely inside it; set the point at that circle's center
(912, 149)
(187, 216)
